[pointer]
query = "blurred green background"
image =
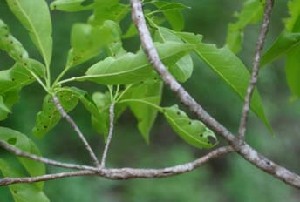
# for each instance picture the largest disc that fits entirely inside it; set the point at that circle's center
(227, 179)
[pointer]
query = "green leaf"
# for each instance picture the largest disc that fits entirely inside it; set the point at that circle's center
(145, 113)
(101, 122)
(251, 13)
(108, 10)
(69, 5)
(133, 68)
(50, 116)
(8, 99)
(292, 71)
(230, 68)
(183, 68)
(87, 40)
(35, 17)
(283, 44)
(10, 44)
(194, 132)
(103, 102)
(172, 12)
(19, 75)
(4, 110)
(22, 192)
(23, 143)
(292, 24)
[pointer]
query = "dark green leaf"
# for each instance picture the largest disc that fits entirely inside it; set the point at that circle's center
(133, 68)
(230, 68)
(50, 116)
(35, 17)
(194, 132)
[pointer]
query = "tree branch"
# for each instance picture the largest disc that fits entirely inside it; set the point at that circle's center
(34, 157)
(125, 173)
(244, 149)
(255, 69)
(69, 119)
(109, 137)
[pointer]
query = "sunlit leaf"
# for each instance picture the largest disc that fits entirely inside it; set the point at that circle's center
(183, 68)
(35, 17)
(194, 132)
(292, 23)
(108, 10)
(87, 41)
(133, 68)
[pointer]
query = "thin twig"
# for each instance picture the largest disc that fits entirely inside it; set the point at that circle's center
(64, 114)
(34, 157)
(244, 149)
(255, 69)
(109, 136)
(126, 173)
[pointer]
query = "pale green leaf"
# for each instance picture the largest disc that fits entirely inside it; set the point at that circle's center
(183, 68)
(133, 68)
(4, 109)
(194, 132)
(35, 17)
(87, 41)
(108, 10)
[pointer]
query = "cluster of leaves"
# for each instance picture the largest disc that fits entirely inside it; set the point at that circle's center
(130, 79)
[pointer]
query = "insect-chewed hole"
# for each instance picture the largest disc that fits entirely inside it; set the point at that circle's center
(178, 113)
(211, 140)
(45, 126)
(190, 123)
(12, 141)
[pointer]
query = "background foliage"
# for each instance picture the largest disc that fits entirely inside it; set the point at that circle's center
(225, 179)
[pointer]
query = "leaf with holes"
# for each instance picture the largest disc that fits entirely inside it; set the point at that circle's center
(10, 44)
(23, 143)
(194, 132)
(35, 17)
(50, 116)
